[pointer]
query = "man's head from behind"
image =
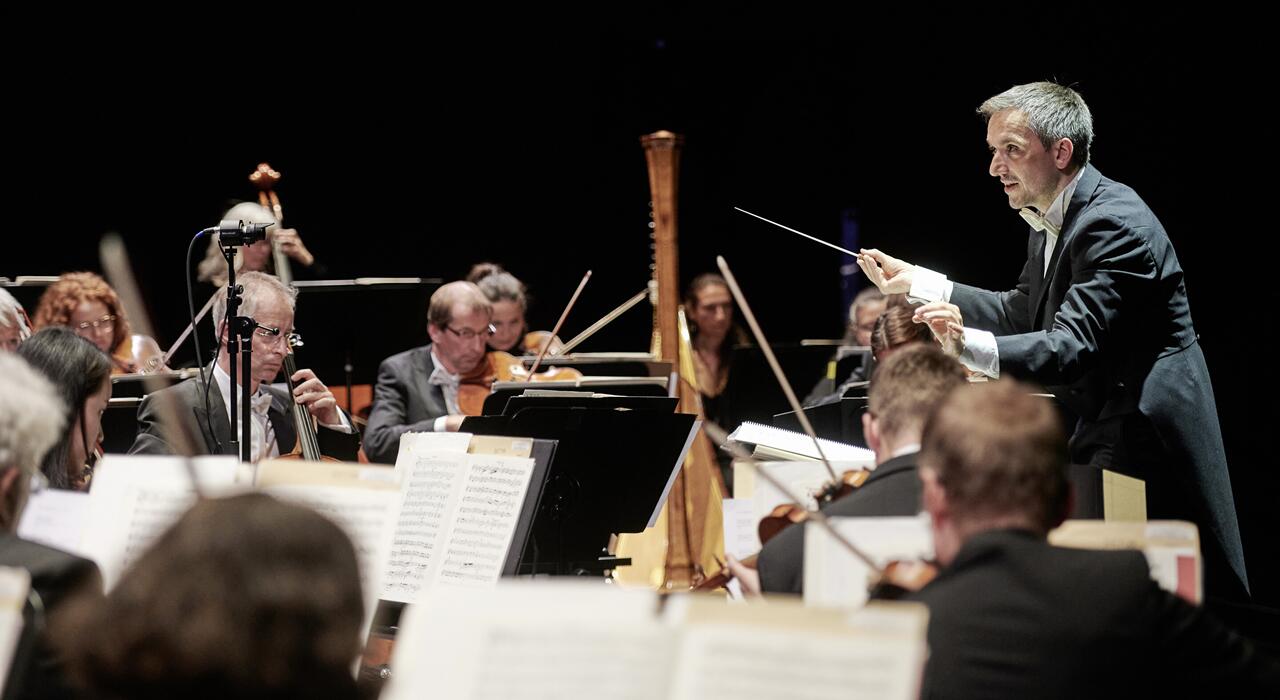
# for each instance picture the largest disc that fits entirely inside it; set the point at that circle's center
(903, 390)
(993, 457)
(31, 420)
(459, 323)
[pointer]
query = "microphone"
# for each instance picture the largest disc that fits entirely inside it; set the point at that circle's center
(233, 232)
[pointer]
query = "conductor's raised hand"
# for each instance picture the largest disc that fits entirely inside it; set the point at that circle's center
(889, 274)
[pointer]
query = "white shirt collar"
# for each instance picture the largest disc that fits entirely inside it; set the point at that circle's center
(1058, 210)
(261, 400)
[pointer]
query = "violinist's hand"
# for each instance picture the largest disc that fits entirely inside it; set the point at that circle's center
(291, 245)
(748, 577)
(312, 393)
(946, 323)
(889, 274)
(453, 423)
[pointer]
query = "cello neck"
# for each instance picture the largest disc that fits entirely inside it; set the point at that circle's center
(307, 441)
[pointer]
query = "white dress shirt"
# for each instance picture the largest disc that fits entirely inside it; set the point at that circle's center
(980, 351)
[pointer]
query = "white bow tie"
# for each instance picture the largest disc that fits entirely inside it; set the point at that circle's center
(1037, 221)
(261, 403)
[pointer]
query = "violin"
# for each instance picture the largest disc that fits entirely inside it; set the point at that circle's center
(787, 514)
(498, 366)
(534, 341)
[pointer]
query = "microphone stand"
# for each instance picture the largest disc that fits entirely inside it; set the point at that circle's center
(240, 331)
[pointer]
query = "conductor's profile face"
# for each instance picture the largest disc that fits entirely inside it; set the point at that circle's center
(462, 343)
(1026, 169)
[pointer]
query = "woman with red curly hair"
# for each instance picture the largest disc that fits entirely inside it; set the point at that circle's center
(86, 304)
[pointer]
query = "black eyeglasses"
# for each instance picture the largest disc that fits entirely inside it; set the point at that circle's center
(468, 334)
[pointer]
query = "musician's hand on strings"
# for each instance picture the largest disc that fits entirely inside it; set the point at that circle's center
(316, 397)
(748, 578)
(291, 245)
(889, 274)
(946, 323)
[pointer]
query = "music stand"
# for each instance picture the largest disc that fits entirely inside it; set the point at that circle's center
(611, 473)
(350, 326)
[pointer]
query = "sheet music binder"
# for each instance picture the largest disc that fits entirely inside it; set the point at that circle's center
(609, 473)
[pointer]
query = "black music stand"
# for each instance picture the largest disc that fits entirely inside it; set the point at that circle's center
(752, 392)
(623, 386)
(611, 474)
(350, 326)
(840, 420)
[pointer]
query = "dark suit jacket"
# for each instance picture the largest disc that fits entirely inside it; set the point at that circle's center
(892, 489)
(1108, 330)
(55, 575)
(403, 401)
(212, 429)
(1014, 617)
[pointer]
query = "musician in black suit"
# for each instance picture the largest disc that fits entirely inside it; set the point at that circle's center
(1100, 316)
(31, 417)
(270, 304)
(417, 390)
(1011, 615)
(903, 389)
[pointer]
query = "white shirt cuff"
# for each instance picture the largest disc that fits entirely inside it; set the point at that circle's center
(343, 427)
(439, 424)
(927, 286)
(980, 352)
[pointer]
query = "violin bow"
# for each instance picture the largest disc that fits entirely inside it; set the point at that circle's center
(773, 363)
(115, 263)
(721, 438)
(604, 321)
(554, 331)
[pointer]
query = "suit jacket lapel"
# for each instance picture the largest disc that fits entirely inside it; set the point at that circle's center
(1037, 273)
(1081, 197)
(434, 393)
(281, 415)
(214, 426)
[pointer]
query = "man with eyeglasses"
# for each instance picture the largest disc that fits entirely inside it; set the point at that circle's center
(268, 302)
(417, 390)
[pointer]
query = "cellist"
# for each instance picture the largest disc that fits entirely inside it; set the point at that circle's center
(271, 305)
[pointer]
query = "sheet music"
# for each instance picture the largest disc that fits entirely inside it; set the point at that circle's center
(488, 509)
(56, 518)
(367, 515)
(136, 498)
(532, 639)
(431, 481)
(726, 661)
(834, 577)
(412, 444)
(741, 534)
(457, 517)
(800, 444)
